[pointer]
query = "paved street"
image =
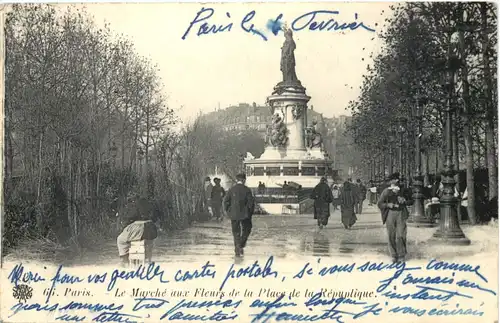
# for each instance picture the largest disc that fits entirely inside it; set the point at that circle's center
(293, 236)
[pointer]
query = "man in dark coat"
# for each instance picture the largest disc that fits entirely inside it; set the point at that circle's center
(239, 206)
(393, 205)
(322, 196)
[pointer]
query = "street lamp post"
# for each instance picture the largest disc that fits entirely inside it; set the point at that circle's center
(418, 217)
(449, 231)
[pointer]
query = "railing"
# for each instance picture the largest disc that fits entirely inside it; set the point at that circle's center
(306, 206)
(281, 195)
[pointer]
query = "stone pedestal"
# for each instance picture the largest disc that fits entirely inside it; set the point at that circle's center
(291, 103)
(292, 163)
(315, 153)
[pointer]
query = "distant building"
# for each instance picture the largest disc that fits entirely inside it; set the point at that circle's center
(343, 120)
(246, 116)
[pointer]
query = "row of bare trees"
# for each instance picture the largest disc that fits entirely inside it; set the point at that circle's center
(86, 127)
(425, 43)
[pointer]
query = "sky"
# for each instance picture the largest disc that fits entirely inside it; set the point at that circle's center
(201, 73)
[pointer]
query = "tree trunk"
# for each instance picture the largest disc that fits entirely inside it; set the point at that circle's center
(391, 158)
(383, 165)
(489, 108)
(39, 212)
(426, 168)
(70, 199)
(436, 171)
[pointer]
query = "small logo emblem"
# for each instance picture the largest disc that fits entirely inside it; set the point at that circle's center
(22, 292)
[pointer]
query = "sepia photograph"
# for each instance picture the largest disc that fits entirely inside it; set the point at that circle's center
(247, 162)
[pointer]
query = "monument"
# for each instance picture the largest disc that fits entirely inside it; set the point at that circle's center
(294, 152)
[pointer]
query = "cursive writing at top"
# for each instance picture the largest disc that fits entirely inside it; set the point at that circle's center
(309, 21)
(318, 20)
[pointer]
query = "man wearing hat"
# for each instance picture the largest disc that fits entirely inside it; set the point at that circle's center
(239, 206)
(393, 205)
(217, 196)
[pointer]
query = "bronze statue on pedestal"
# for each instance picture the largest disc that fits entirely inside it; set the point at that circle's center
(287, 65)
(288, 59)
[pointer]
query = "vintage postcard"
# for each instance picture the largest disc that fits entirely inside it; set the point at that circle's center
(249, 162)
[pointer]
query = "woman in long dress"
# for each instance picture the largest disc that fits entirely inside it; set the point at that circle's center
(322, 196)
(348, 200)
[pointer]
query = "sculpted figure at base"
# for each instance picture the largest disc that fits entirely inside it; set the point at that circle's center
(269, 135)
(249, 156)
(278, 132)
(313, 137)
(296, 112)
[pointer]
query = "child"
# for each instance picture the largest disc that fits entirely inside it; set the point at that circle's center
(139, 227)
(336, 197)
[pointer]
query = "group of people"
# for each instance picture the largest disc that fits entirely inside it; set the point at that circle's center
(238, 204)
(349, 197)
(213, 197)
(393, 203)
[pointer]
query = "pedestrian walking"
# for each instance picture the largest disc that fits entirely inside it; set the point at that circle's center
(217, 196)
(348, 200)
(322, 196)
(336, 197)
(373, 193)
(361, 196)
(394, 210)
(207, 197)
(239, 206)
(369, 192)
